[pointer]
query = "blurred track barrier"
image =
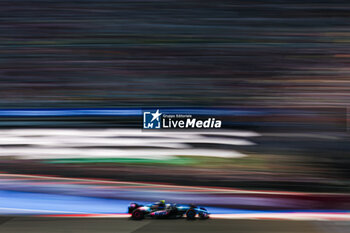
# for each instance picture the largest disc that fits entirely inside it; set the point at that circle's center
(297, 216)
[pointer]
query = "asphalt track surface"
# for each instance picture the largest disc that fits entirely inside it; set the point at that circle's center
(105, 225)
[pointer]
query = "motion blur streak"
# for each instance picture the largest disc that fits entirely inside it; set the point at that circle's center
(102, 143)
(17, 177)
(33, 194)
(62, 53)
(265, 216)
(124, 112)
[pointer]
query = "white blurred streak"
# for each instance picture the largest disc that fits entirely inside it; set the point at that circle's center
(60, 153)
(80, 143)
(84, 141)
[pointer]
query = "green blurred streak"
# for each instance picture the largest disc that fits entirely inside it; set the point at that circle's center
(179, 161)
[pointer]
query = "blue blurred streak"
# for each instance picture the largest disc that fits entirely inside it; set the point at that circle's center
(12, 202)
(39, 203)
(122, 112)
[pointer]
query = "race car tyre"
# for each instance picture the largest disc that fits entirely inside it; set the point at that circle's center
(137, 215)
(191, 214)
(203, 216)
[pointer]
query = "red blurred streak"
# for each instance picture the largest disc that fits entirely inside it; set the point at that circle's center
(164, 185)
(84, 215)
(260, 216)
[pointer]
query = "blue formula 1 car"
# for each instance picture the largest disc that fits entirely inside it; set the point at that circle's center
(165, 210)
